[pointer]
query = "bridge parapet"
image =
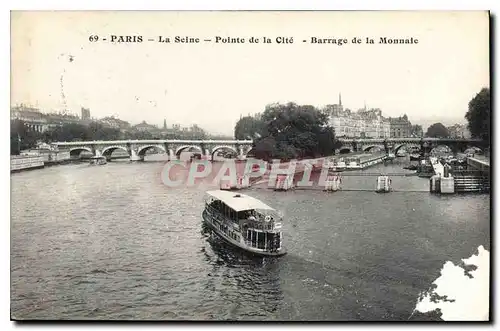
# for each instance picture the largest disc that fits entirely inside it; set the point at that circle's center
(137, 148)
(426, 144)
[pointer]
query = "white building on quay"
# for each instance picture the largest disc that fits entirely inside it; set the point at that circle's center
(364, 123)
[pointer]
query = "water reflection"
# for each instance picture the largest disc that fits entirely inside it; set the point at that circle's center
(252, 284)
(132, 248)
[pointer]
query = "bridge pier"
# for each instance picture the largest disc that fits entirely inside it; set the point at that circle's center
(135, 157)
(208, 155)
(171, 155)
(241, 154)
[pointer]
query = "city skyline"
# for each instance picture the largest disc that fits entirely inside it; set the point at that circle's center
(424, 123)
(213, 85)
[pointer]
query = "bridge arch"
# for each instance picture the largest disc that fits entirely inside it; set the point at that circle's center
(223, 147)
(109, 150)
(371, 147)
(141, 151)
(345, 150)
(76, 151)
(180, 149)
(398, 147)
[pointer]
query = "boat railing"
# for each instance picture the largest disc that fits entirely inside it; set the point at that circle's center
(258, 225)
(264, 226)
(262, 245)
(218, 215)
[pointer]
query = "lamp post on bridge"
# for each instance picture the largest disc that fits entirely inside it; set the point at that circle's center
(354, 145)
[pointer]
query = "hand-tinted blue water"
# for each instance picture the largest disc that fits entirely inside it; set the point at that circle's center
(113, 242)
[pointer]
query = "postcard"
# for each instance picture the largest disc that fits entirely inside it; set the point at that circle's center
(250, 166)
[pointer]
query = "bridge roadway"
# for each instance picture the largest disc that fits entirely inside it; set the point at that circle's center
(136, 149)
(394, 144)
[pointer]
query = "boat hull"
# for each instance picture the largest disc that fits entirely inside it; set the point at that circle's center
(207, 220)
(383, 191)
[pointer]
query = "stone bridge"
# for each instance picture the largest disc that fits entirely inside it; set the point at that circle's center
(136, 149)
(426, 145)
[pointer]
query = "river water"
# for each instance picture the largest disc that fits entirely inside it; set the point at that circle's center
(113, 242)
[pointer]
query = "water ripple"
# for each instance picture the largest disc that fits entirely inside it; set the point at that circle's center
(114, 243)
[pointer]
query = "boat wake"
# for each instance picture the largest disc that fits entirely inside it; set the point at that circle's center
(461, 293)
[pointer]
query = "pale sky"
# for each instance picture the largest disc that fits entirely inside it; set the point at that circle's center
(213, 84)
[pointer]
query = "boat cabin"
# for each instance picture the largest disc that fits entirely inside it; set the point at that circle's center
(245, 219)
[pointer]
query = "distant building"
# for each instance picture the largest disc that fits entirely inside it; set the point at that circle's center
(57, 119)
(32, 117)
(85, 114)
(143, 126)
(361, 124)
(115, 123)
(459, 131)
(400, 127)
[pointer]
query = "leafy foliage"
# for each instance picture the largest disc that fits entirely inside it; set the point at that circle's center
(248, 127)
(437, 130)
(289, 131)
(478, 116)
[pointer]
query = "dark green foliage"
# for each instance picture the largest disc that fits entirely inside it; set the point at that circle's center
(287, 131)
(479, 116)
(437, 130)
(248, 127)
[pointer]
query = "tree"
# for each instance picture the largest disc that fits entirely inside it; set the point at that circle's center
(22, 137)
(248, 127)
(292, 130)
(265, 148)
(478, 116)
(437, 130)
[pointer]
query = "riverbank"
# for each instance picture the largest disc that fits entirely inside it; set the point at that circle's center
(23, 163)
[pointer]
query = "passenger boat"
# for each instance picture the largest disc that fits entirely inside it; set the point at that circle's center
(98, 160)
(244, 222)
(414, 157)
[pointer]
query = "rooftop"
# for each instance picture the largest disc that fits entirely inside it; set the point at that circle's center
(238, 201)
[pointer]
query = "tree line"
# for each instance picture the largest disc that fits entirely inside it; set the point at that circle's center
(288, 131)
(478, 119)
(22, 137)
(478, 115)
